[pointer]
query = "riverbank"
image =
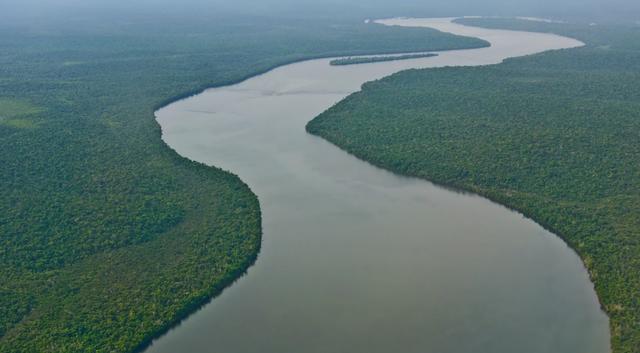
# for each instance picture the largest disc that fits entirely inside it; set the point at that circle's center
(545, 135)
(109, 236)
(332, 272)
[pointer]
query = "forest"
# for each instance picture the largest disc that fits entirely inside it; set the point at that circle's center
(377, 59)
(554, 136)
(107, 236)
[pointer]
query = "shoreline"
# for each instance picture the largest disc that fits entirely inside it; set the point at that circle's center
(453, 187)
(238, 275)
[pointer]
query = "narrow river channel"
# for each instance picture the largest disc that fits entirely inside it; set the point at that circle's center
(357, 259)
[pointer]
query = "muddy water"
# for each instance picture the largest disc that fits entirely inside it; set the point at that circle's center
(357, 259)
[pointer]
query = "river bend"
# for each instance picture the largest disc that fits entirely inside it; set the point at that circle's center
(357, 259)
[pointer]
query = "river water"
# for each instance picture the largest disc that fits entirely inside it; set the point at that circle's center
(357, 259)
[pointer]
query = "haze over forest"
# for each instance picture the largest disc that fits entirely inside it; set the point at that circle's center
(17, 11)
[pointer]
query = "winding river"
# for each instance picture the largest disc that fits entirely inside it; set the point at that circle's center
(357, 259)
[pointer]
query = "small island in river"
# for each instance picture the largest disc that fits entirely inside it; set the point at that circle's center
(376, 59)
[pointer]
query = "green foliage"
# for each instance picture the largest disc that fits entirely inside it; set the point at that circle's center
(10, 108)
(376, 59)
(555, 136)
(107, 236)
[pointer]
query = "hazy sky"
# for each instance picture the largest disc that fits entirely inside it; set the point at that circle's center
(25, 9)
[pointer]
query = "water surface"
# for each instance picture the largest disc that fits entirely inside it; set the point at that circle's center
(357, 259)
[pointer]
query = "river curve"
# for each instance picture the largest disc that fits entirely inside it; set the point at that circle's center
(357, 259)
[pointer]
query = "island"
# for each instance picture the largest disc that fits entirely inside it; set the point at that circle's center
(377, 59)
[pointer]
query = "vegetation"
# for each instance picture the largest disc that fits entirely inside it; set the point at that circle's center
(555, 136)
(108, 237)
(376, 59)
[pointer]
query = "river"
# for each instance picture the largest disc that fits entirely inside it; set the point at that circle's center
(357, 259)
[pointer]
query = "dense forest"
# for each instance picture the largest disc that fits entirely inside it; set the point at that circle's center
(377, 59)
(555, 136)
(108, 237)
